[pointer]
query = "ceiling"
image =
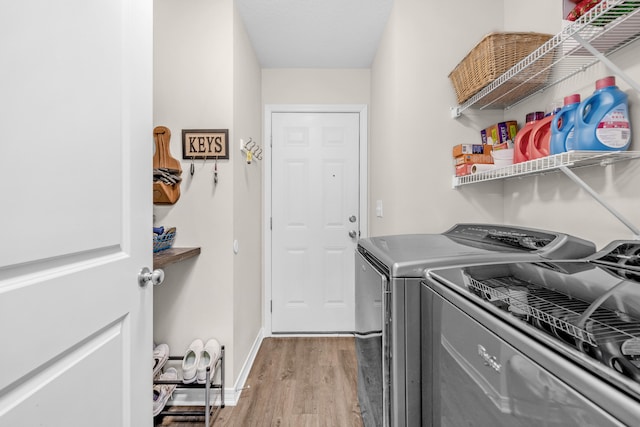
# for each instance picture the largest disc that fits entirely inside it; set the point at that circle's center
(315, 33)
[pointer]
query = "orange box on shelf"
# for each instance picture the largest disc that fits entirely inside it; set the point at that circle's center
(461, 149)
(473, 158)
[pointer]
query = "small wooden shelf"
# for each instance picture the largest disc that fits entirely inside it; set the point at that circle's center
(173, 255)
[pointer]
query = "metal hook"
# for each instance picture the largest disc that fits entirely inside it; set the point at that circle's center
(258, 153)
(250, 144)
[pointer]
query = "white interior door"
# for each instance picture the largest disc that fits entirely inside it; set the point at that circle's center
(75, 118)
(315, 207)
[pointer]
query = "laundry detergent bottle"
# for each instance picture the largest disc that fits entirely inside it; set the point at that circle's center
(540, 136)
(521, 144)
(562, 126)
(602, 120)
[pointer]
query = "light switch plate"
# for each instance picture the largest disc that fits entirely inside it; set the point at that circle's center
(379, 208)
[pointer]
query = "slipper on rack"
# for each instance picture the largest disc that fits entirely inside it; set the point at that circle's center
(160, 357)
(162, 392)
(208, 358)
(191, 361)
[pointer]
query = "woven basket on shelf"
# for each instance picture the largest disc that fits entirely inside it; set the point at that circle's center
(493, 56)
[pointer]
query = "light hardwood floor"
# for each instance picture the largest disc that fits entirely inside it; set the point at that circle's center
(295, 382)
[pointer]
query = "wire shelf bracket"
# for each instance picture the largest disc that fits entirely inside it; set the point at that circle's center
(563, 162)
(605, 29)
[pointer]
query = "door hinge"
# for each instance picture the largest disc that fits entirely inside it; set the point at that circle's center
(270, 306)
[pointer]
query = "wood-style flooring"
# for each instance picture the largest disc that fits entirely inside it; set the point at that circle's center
(295, 382)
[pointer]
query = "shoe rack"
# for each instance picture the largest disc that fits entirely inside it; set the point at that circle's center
(209, 412)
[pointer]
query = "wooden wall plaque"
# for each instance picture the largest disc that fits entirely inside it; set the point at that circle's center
(205, 143)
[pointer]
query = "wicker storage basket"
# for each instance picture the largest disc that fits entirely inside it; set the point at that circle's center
(493, 56)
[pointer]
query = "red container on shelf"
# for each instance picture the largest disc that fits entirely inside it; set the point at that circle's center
(521, 145)
(540, 138)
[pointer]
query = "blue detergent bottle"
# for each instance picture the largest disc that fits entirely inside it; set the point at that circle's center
(562, 126)
(602, 120)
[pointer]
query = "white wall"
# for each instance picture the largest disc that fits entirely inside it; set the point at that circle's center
(247, 198)
(412, 133)
(315, 86)
(206, 77)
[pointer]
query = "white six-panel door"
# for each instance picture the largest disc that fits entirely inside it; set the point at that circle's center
(315, 207)
(75, 156)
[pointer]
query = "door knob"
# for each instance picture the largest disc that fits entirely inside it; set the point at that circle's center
(353, 233)
(147, 276)
(352, 218)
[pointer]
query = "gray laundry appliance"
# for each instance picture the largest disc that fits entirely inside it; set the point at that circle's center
(553, 343)
(387, 311)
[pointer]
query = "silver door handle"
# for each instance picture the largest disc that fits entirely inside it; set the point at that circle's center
(147, 276)
(353, 233)
(352, 218)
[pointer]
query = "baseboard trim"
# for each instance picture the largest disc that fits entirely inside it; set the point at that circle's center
(194, 397)
(312, 334)
(248, 363)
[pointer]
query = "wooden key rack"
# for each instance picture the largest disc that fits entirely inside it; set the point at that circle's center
(165, 191)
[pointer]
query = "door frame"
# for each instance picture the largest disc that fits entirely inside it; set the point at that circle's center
(269, 109)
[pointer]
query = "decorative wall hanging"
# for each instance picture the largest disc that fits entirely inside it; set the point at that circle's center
(166, 169)
(205, 144)
(251, 149)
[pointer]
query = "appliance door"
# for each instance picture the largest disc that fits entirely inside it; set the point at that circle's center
(471, 376)
(370, 283)
(372, 348)
(404, 336)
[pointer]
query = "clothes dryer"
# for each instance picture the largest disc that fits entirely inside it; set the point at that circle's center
(554, 343)
(388, 320)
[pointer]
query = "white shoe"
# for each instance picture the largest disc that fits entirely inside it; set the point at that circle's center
(160, 357)
(191, 361)
(208, 357)
(162, 392)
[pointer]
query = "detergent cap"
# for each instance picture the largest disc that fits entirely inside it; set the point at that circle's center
(537, 115)
(605, 82)
(572, 99)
